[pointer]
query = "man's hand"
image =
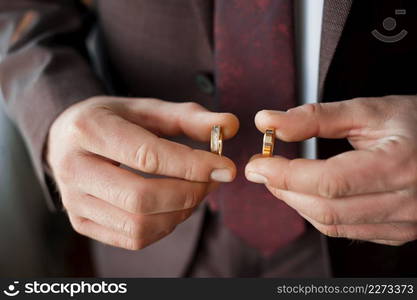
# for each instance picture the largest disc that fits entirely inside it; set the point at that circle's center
(369, 193)
(89, 141)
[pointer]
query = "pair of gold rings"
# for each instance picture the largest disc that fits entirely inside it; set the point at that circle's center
(216, 141)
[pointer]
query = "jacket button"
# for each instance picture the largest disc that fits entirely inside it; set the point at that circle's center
(205, 83)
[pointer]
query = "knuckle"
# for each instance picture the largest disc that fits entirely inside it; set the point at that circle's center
(125, 198)
(132, 226)
(191, 106)
(134, 201)
(190, 172)
(311, 111)
(191, 199)
(78, 126)
(81, 125)
(146, 158)
(332, 185)
(124, 243)
(196, 166)
(311, 108)
(327, 216)
(65, 169)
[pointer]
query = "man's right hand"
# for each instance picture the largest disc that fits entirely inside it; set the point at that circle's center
(88, 142)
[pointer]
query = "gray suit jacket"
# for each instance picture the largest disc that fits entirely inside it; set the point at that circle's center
(148, 48)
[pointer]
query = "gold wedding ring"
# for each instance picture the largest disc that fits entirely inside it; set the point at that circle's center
(216, 141)
(269, 142)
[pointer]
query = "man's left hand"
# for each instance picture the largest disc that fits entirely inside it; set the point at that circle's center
(369, 193)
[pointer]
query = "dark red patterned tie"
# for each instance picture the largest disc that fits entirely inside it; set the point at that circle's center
(254, 48)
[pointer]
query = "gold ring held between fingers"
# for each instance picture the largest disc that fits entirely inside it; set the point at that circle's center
(268, 142)
(216, 141)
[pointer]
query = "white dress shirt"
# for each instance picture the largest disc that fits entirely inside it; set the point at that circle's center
(309, 19)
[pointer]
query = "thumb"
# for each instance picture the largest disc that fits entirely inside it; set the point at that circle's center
(326, 120)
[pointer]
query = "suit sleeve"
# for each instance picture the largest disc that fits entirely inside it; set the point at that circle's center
(43, 70)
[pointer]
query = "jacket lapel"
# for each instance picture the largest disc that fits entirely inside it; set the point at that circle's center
(335, 14)
(334, 19)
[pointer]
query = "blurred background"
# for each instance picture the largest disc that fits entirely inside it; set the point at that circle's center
(33, 240)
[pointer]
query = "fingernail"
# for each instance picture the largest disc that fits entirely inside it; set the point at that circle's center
(221, 175)
(255, 177)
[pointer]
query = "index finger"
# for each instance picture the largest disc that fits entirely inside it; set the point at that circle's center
(115, 138)
(172, 119)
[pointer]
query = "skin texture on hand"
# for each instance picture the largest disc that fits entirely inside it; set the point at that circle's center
(369, 193)
(88, 142)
